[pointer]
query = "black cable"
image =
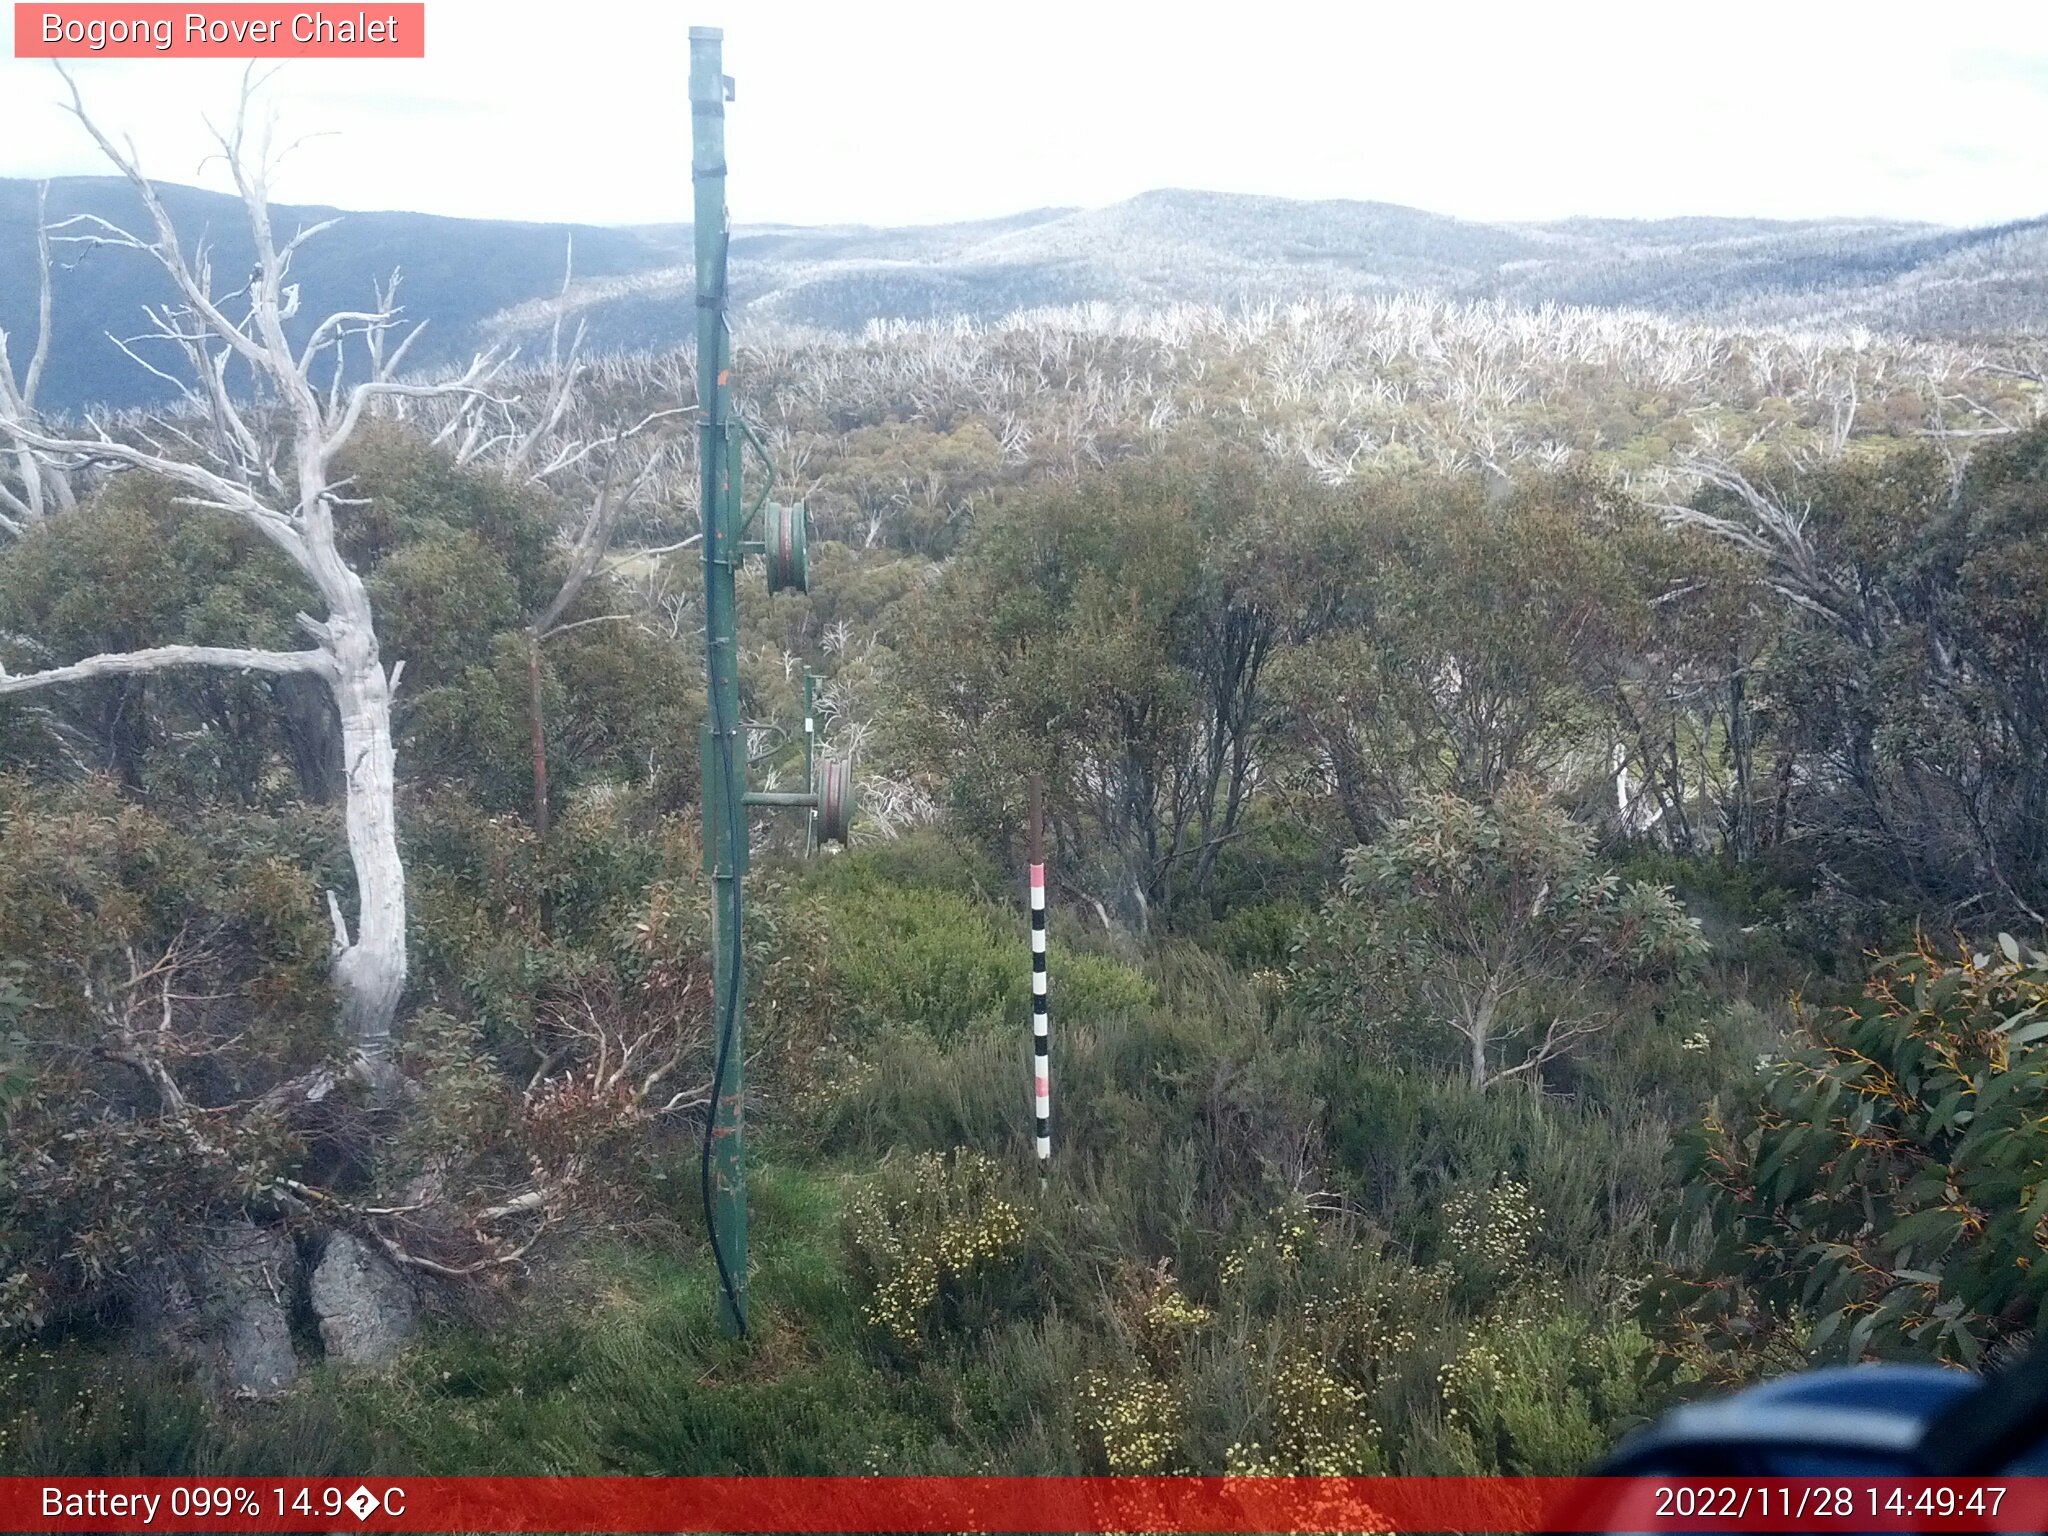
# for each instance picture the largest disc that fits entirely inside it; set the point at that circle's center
(725, 1034)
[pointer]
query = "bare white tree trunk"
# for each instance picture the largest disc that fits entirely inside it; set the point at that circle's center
(369, 972)
(271, 466)
(39, 488)
(1478, 1032)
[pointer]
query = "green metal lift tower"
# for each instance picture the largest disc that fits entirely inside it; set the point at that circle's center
(733, 530)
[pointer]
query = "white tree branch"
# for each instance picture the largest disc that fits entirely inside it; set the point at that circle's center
(159, 658)
(217, 489)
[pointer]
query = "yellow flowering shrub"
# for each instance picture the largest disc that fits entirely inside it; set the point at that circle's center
(1162, 1318)
(1470, 1383)
(1362, 1333)
(1137, 1423)
(1269, 1258)
(923, 1227)
(1488, 1248)
(1538, 1397)
(1319, 1426)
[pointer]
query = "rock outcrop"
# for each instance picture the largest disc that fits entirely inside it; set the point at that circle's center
(366, 1307)
(224, 1307)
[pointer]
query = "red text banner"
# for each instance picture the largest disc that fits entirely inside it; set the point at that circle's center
(1022, 1504)
(230, 31)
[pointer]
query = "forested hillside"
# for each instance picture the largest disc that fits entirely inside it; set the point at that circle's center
(501, 282)
(1539, 799)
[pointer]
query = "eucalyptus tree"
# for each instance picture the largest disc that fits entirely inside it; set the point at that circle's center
(1907, 698)
(1118, 636)
(1463, 639)
(255, 434)
(1494, 920)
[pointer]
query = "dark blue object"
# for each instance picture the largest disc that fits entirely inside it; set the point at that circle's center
(1850, 1421)
(1842, 1420)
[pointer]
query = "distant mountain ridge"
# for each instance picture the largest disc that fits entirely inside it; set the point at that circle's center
(481, 281)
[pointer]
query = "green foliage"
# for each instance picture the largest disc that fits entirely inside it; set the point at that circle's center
(1115, 635)
(544, 969)
(1261, 936)
(903, 951)
(920, 958)
(1292, 1340)
(414, 495)
(133, 569)
(440, 598)
(87, 1409)
(168, 978)
(916, 482)
(924, 858)
(1407, 1142)
(614, 704)
(1492, 918)
(1910, 682)
(1465, 633)
(1543, 1399)
(500, 915)
(1889, 1187)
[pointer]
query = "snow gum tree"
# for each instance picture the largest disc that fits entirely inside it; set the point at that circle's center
(1494, 918)
(254, 435)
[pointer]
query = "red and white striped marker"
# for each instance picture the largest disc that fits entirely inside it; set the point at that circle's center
(1041, 1032)
(1041, 1029)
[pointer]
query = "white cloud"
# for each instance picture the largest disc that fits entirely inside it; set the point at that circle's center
(892, 111)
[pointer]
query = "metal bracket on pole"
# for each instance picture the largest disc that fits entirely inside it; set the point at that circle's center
(810, 756)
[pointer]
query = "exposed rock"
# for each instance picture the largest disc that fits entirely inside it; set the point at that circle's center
(225, 1309)
(366, 1309)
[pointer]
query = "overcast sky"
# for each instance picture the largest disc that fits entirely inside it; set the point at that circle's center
(895, 111)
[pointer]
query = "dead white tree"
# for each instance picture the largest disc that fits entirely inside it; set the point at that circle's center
(267, 456)
(604, 1055)
(1771, 528)
(38, 487)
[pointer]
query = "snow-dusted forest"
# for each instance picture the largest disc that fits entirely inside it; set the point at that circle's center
(1545, 756)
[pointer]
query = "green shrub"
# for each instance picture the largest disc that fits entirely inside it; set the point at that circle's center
(899, 953)
(1259, 936)
(922, 858)
(1543, 1399)
(165, 976)
(904, 1091)
(1889, 1181)
(1489, 926)
(1404, 1141)
(920, 958)
(1095, 987)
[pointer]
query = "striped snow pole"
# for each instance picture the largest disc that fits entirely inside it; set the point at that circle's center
(1041, 1031)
